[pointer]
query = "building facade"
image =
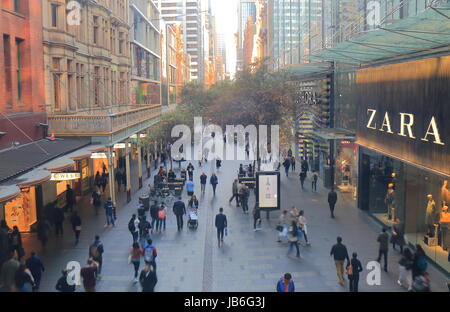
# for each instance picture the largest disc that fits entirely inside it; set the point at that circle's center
(246, 9)
(183, 61)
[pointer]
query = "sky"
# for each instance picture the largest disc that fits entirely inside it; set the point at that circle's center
(227, 24)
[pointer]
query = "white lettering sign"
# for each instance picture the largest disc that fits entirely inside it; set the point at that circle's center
(65, 176)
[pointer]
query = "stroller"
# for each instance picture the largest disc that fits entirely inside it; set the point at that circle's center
(193, 219)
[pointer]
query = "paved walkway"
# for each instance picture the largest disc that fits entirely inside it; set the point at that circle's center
(249, 261)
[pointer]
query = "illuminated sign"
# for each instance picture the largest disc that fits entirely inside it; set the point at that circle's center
(100, 155)
(405, 128)
(65, 176)
(121, 145)
(268, 190)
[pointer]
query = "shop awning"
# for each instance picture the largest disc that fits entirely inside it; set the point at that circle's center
(86, 152)
(429, 30)
(26, 157)
(61, 164)
(332, 134)
(8, 192)
(32, 178)
(316, 68)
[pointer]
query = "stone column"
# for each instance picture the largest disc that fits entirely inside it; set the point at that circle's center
(112, 185)
(128, 169)
(156, 155)
(147, 151)
(139, 155)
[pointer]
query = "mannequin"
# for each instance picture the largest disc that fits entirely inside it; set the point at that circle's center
(444, 222)
(445, 192)
(431, 216)
(390, 201)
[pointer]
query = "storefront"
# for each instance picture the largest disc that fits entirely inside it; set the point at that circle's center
(404, 155)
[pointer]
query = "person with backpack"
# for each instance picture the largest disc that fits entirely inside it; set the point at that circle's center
(62, 285)
(148, 278)
(383, 239)
(353, 270)
(294, 236)
(133, 227)
(286, 284)
(96, 251)
(75, 220)
(339, 253)
(109, 212)
(419, 262)
(136, 253)
(405, 266)
(214, 181)
(144, 231)
(161, 224)
(150, 253)
(203, 179)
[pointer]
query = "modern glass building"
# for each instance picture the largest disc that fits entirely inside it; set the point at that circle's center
(246, 9)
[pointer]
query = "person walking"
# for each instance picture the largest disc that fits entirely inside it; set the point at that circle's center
(315, 177)
(154, 209)
(332, 200)
(43, 227)
(286, 284)
(89, 274)
(289, 153)
(293, 214)
(24, 281)
(144, 230)
(118, 178)
(235, 192)
(383, 239)
(75, 220)
(282, 227)
(150, 253)
(398, 237)
(179, 209)
(305, 166)
(292, 160)
(104, 181)
(70, 199)
(218, 164)
(302, 179)
(148, 278)
(339, 253)
(256, 218)
(136, 253)
(109, 206)
(221, 224)
(58, 219)
(62, 285)
(190, 187)
(244, 194)
(8, 272)
(133, 227)
(193, 202)
(286, 165)
(96, 251)
(203, 179)
(419, 262)
(190, 170)
(214, 181)
(293, 238)
(36, 267)
(16, 242)
(302, 224)
(353, 270)
(96, 200)
(162, 213)
(405, 266)
(98, 180)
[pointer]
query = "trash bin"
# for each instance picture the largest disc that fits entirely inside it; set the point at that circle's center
(145, 201)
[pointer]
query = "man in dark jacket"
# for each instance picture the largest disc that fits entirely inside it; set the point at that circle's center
(154, 214)
(203, 179)
(34, 264)
(70, 198)
(304, 166)
(383, 239)
(339, 253)
(59, 219)
(221, 224)
(332, 199)
(62, 284)
(244, 194)
(148, 278)
(96, 251)
(179, 209)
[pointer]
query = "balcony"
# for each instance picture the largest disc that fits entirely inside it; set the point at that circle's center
(105, 123)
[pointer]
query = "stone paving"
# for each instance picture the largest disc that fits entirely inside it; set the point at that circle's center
(191, 261)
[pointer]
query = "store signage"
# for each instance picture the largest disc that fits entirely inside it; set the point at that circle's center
(134, 136)
(268, 190)
(121, 145)
(406, 126)
(65, 176)
(100, 155)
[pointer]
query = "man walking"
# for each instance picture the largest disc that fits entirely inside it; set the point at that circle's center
(235, 191)
(96, 254)
(305, 166)
(314, 181)
(70, 199)
(286, 284)
(221, 224)
(244, 194)
(383, 239)
(179, 209)
(133, 227)
(109, 206)
(75, 220)
(302, 179)
(150, 253)
(190, 170)
(88, 273)
(34, 264)
(286, 165)
(214, 181)
(58, 219)
(148, 278)
(154, 209)
(190, 187)
(332, 199)
(203, 178)
(339, 252)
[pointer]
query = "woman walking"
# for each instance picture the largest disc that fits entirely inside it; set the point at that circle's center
(214, 181)
(75, 220)
(193, 202)
(161, 223)
(16, 242)
(405, 266)
(136, 253)
(302, 224)
(293, 238)
(353, 271)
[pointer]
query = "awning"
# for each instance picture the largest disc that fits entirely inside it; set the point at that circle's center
(32, 178)
(429, 30)
(86, 152)
(8, 192)
(332, 134)
(316, 68)
(26, 157)
(61, 164)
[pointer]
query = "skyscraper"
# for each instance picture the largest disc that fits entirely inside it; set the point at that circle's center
(246, 9)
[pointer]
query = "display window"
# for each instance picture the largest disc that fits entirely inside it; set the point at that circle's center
(346, 166)
(21, 211)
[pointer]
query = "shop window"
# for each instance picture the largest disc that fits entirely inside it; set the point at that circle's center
(19, 51)
(7, 70)
(97, 86)
(57, 91)
(21, 212)
(95, 30)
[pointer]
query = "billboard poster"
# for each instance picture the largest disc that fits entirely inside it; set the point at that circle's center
(268, 190)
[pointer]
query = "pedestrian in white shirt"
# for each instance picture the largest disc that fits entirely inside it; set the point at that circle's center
(302, 223)
(283, 223)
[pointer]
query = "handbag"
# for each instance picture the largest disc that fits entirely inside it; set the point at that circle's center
(78, 228)
(129, 259)
(350, 270)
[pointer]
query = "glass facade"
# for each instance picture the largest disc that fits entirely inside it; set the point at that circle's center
(390, 189)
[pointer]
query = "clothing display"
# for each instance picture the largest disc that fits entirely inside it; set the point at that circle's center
(431, 216)
(444, 222)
